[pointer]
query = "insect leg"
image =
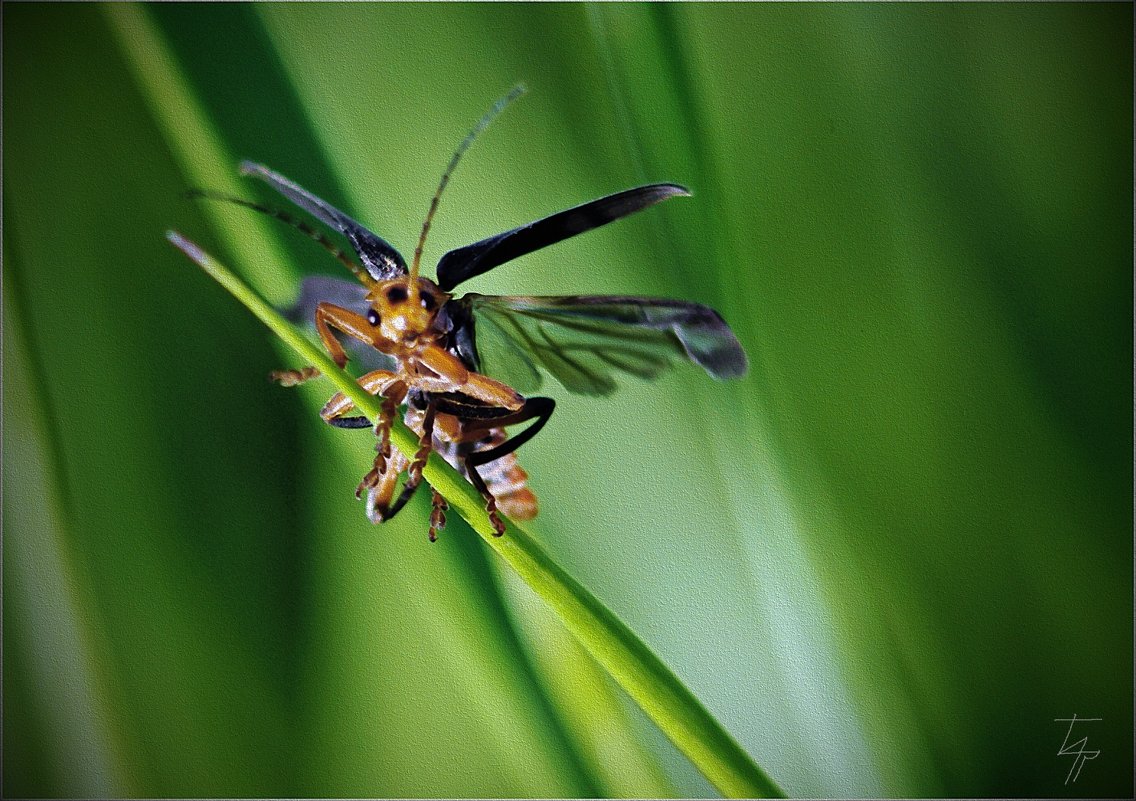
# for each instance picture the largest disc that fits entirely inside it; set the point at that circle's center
(329, 316)
(350, 422)
(453, 376)
(437, 514)
(382, 447)
(291, 378)
(392, 390)
(480, 417)
(377, 382)
(540, 408)
(490, 501)
(379, 496)
(414, 473)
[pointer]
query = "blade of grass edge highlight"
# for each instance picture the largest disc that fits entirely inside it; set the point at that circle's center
(665, 699)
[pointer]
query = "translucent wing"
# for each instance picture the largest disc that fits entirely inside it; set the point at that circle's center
(380, 259)
(464, 263)
(315, 289)
(350, 295)
(583, 341)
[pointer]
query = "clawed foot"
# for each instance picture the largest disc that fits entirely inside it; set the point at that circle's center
(494, 518)
(369, 482)
(291, 378)
(437, 514)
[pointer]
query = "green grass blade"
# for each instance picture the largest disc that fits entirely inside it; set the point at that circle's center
(607, 732)
(652, 685)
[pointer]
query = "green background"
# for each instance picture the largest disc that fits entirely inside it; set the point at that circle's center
(887, 560)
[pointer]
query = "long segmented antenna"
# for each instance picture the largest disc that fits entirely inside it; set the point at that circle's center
(482, 124)
(288, 219)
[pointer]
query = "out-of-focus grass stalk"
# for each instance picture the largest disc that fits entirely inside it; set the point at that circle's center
(45, 589)
(677, 712)
(199, 152)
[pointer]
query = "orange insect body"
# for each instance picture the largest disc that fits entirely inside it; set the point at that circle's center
(404, 323)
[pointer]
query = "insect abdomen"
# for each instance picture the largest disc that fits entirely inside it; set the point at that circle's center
(504, 477)
(507, 480)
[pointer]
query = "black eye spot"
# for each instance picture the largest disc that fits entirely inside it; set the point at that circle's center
(396, 294)
(428, 302)
(372, 317)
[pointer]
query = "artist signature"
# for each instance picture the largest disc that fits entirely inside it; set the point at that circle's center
(1078, 749)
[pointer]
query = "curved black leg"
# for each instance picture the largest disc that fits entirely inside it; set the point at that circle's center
(349, 422)
(540, 408)
(495, 417)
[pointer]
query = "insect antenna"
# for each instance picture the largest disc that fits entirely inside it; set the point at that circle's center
(288, 219)
(482, 124)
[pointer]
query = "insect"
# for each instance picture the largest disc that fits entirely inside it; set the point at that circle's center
(459, 364)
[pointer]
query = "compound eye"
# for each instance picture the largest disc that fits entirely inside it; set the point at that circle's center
(428, 301)
(372, 317)
(396, 294)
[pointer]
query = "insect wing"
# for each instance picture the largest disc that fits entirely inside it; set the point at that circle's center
(472, 260)
(350, 295)
(584, 341)
(378, 256)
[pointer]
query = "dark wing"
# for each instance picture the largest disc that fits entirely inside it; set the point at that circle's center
(583, 341)
(350, 295)
(380, 259)
(464, 263)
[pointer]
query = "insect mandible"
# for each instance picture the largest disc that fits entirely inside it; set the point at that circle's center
(457, 363)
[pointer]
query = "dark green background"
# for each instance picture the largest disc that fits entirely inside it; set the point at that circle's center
(887, 560)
